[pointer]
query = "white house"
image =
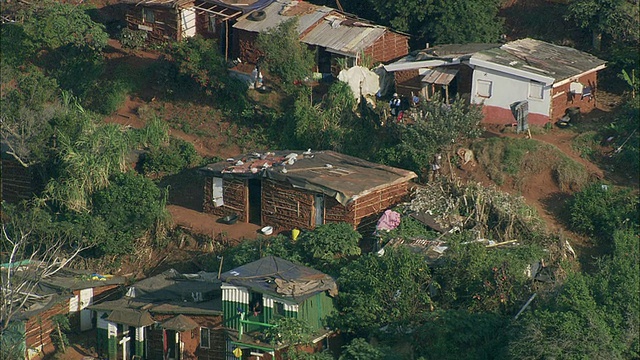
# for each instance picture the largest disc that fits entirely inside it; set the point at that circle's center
(550, 78)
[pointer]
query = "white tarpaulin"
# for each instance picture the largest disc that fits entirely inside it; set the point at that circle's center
(361, 80)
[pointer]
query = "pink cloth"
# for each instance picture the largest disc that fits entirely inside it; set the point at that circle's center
(388, 221)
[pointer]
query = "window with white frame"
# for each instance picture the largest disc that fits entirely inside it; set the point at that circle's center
(205, 336)
(484, 88)
(536, 90)
(148, 16)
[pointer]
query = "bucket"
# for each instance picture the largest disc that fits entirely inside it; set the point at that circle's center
(294, 234)
(267, 230)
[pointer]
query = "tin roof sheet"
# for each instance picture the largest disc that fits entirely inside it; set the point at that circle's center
(439, 76)
(280, 11)
(541, 58)
(340, 176)
(343, 35)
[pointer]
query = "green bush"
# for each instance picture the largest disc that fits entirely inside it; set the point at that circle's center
(133, 39)
(130, 206)
(107, 96)
(599, 210)
(171, 159)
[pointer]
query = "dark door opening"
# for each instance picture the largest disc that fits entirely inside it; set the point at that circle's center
(319, 209)
(255, 201)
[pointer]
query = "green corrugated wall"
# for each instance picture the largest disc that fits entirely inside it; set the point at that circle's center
(231, 316)
(140, 349)
(315, 309)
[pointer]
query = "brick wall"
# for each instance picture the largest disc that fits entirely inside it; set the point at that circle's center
(390, 46)
(563, 99)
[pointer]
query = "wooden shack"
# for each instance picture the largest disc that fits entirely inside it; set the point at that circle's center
(332, 33)
(287, 189)
(68, 292)
(162, 19)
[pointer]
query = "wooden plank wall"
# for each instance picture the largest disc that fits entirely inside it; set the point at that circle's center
(364, 212)
(235, 195)
(166, 25)
(244, 46)
(389, 47)
(407, 81)
(40, 327)
(17, 181)
(285, 208)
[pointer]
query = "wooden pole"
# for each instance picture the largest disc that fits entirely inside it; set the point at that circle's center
(220, 267)
(226, 41)
(525, 305)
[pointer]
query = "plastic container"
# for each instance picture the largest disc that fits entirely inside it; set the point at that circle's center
(267, 230)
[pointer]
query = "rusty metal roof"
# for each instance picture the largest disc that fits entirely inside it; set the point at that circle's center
(539, 58)
(340, 176)
(439, 76)
(280, 11)
(179, 323)
(343, 35)
(159, 3)
(280, 277)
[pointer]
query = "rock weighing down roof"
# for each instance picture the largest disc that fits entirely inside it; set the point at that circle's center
(282, 278)
(539, 58)
(342, 177)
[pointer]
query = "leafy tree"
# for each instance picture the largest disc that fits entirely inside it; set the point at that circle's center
(593, 316)
(464, 21)
(171, 159)
(474, 278)
(617, 19)
(130, 206)
(415, 144)
(328, 247)
(289, 331)
(389, 291)
(27, 110)
(459, 334)
(360, 349)
(200, 60)
(436, 21)
(600, 210)
(53, 25)
(285, 57)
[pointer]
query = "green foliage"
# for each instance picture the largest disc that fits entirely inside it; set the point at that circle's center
(626, 129)
(53, 25)
(154, 134)
(58, 336)
(360, 349)
(617, 19)
(15, 47)
(285, 57)
(106, 97)
(391, 290)
(171, 159)
(475, 278)
(593, 316)
(328, 247)
(459, 334)
(442, 126)
(599, 210)
(436, 21)
(519, 159)
(133, 39)
(89, 153)
(130, 206)
(200, 60)
(289, 331)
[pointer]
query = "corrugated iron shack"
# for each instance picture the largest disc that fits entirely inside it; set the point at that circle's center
(288, 189)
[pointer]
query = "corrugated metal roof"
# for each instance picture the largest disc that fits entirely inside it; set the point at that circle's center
(282, 10)
(273, 275)
(541, 58)
(161, 3)
(340, 176)
(439, 76)
(343, 36)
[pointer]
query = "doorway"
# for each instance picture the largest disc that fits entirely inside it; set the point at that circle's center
(255, 201)
(318, 204)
